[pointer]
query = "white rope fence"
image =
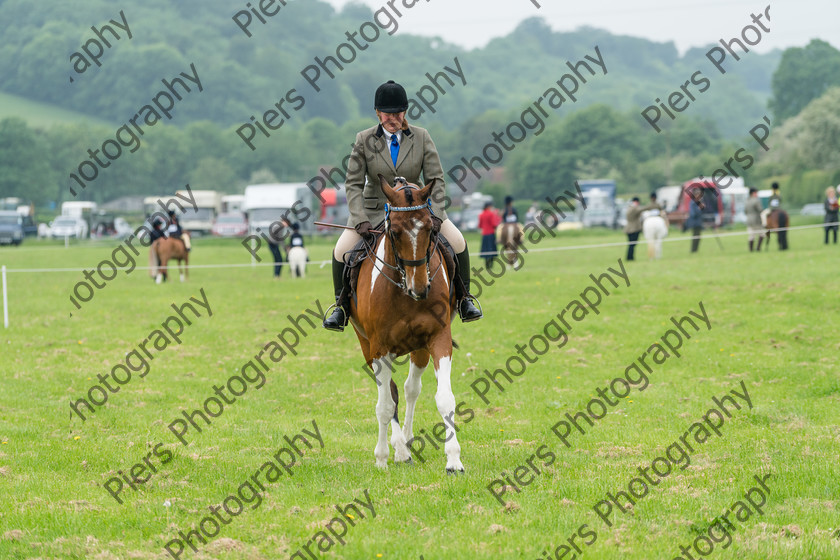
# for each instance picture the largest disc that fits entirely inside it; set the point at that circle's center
(534, 250)
(322, 264)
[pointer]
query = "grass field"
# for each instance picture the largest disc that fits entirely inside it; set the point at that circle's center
(42, 115)
(774, 326)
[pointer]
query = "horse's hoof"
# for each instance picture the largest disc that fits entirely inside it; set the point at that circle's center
(408, 461)
(383, 465)
(452, 470)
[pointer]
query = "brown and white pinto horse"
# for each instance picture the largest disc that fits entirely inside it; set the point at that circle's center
(404, 305)
(166, 249)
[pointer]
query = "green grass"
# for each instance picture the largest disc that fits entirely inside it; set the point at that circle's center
(774, 327)
(42, 114)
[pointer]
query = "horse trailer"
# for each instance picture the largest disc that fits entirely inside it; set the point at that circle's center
(271, 203)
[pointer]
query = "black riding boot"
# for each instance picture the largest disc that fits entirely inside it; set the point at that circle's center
(466, 308)
(341, 313)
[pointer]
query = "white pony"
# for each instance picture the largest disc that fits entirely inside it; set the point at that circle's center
(655, 229)
(297, 261)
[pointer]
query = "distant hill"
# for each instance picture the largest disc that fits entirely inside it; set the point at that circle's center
(43, 115)
(244, 76)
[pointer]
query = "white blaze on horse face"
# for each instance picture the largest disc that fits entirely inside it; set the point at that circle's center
(374, 273)
(411, 279)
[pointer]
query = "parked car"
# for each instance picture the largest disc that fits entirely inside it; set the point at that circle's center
(67, 226)
(11, 228)
(232, 224)
(813, 209)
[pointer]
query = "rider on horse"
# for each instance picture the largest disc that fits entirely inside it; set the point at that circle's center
(393, 149)
(175, 230)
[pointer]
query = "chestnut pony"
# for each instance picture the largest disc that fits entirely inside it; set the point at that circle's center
(404, 305)
(170, 248)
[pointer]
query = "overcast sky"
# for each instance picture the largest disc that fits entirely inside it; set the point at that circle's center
(689, 23)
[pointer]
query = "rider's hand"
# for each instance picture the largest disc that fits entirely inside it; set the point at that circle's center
(363, 229)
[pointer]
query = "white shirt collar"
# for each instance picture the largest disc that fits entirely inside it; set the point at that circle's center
(388, 136)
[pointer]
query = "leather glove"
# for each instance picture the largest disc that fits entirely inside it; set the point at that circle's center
(436, 223)
(363, 229)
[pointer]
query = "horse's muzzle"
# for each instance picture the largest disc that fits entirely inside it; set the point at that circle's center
(417, 296)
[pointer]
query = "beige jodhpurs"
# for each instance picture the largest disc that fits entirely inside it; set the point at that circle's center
(349, 238)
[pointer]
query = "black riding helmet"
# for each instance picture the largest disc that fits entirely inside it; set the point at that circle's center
(390, 98)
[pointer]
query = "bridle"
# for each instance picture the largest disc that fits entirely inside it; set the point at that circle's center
(401, 263)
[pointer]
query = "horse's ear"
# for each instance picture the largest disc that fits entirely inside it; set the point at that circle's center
(390, 193)
(426, 191)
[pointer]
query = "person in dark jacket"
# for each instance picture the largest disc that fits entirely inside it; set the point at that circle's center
(509, 215)
(695, 224)
(157, 230)
(175, 230)
(831, 213)
(274, 241)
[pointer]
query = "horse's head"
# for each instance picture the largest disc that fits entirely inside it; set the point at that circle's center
(408, 225)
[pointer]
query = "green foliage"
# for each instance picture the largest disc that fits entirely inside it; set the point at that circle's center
(803, 75)
(21, 171)
(244, 76)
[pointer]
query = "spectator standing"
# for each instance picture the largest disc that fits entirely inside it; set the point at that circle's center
(831, 213)
(754, 227)
(487, 222)
(695, 224)
(274, 240)
(633, 227)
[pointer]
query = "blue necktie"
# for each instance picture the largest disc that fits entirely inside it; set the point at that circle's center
(395, 149)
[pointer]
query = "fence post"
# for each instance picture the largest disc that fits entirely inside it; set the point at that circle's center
(5, 301)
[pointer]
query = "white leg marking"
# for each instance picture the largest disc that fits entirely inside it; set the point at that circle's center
(159, 278)
(384, 409)
(445, 400)
(183, 278)
(412, 388)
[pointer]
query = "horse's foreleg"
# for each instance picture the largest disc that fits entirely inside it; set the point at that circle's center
(412, 387)
(385, 407)
(445, 400)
